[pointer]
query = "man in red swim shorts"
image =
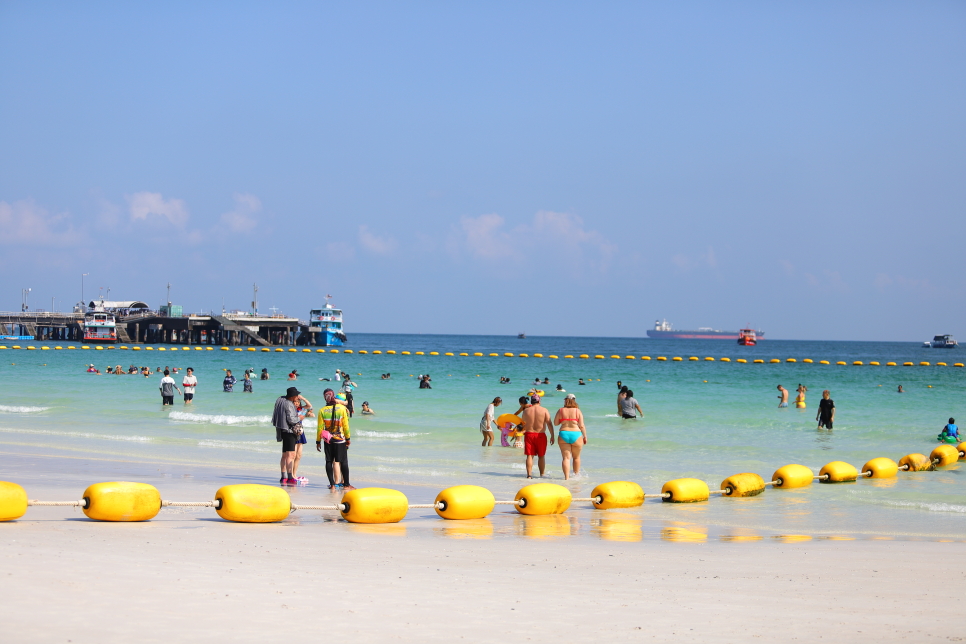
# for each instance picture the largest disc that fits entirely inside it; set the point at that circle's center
(536, 420)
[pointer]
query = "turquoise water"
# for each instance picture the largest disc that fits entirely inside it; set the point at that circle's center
(702, 419)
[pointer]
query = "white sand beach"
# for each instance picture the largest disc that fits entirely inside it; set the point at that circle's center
(189, 576)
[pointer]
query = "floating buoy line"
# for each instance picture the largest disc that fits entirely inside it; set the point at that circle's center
(506, 354)
(256, 503)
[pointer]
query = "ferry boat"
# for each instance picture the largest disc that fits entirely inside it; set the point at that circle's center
(943, 342)
(663, 330)
(99, 325)
(328, 321)
(747, 337)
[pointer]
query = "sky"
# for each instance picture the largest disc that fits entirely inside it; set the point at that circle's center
(551, 168)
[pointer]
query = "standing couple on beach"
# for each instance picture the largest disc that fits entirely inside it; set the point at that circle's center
(332, 431)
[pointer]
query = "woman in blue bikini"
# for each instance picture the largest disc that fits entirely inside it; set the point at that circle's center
(572, 435)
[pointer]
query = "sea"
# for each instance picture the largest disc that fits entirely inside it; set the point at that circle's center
(706, 419)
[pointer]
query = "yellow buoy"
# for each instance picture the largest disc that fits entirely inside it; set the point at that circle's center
(808, 361)
(774, 361)
(617, 494)
(838, 472)
(874, 363)
(961, 448)
(377, 352)
(823, 362)
(434, 353)
(645, 357)
(857, 363)
(584, 356)
(944, 455)
(677, 359)
(923, 364)
(685, 491)
(790, 360)
(391, 352)
(464, 502)
(725, 359)
(374, 505)
(630, 357)
(478, 354)
(252, 503)
(709, 359)
(523, 355)
(907, 364)
(890, 364)
(880, 468)
(745, 484)
(742, 361)
(693, 358)
(842, 362)
(507, 355)
(13, 501)
(122, 501)
(543, 498)
(792, 476)
(915, 463)
(661, 358)
(759, 361)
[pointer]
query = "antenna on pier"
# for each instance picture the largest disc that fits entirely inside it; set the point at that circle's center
(169, 293)
(254, 299)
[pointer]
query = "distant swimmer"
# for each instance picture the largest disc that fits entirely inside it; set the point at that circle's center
(580, 381)
(489, 418)
(536, 422)
(800, 398)
(546, 381)
(629, 405)
(294, 375)
(826, 411)
(899, 390)
(560, 388)
(385, 376)
(366, 409)
(424, 383)
(264, 375)
(950, 433)
(572, 435)
(168, 388)
(247, 385)
(189, 382)
(783, 397)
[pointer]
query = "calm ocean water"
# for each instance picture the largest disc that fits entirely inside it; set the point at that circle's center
(702, 419)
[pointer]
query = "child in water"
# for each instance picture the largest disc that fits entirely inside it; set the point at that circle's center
(950, 433)
(248, 382)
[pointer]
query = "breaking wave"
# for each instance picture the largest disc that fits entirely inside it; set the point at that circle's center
(369, 434)
(21, 409)
(219, 419)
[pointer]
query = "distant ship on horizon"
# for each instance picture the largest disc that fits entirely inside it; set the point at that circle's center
(663, 330)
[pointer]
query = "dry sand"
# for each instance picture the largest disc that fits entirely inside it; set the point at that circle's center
(192, 577)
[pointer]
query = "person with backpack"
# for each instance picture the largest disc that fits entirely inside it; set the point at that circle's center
(333, 432)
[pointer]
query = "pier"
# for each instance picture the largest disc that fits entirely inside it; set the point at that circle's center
(150, 327)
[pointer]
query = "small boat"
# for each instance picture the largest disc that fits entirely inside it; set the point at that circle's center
(747, 338)
(521, 336)
(943, 342)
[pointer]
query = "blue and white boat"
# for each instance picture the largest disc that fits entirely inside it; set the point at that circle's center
(328, 321)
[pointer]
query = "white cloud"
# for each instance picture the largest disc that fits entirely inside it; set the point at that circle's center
(24, 222)
(241, 219)
(549, 233)
(485, 238)
(147, 205)
(374, 244)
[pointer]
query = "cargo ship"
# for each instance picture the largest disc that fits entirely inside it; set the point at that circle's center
(664, 331)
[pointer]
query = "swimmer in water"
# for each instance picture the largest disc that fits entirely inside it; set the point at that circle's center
(560, 388)
(572, 435)
(366, 409)
(782, 397)
(580, 381)
(949, 433)
(899, 390)
(800, 398)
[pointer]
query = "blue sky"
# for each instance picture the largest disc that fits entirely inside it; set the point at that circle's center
(554, 168)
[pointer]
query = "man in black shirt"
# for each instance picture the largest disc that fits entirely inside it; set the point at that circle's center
(826, 411)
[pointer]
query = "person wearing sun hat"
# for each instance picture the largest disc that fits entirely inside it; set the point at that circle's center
(288, 427)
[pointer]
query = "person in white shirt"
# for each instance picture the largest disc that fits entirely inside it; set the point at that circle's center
(489, 418)
(189, 383)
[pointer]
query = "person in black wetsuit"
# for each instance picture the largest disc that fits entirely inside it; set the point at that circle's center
(826, 411)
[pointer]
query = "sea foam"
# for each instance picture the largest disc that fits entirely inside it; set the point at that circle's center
(20, 409)
(219, 419)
